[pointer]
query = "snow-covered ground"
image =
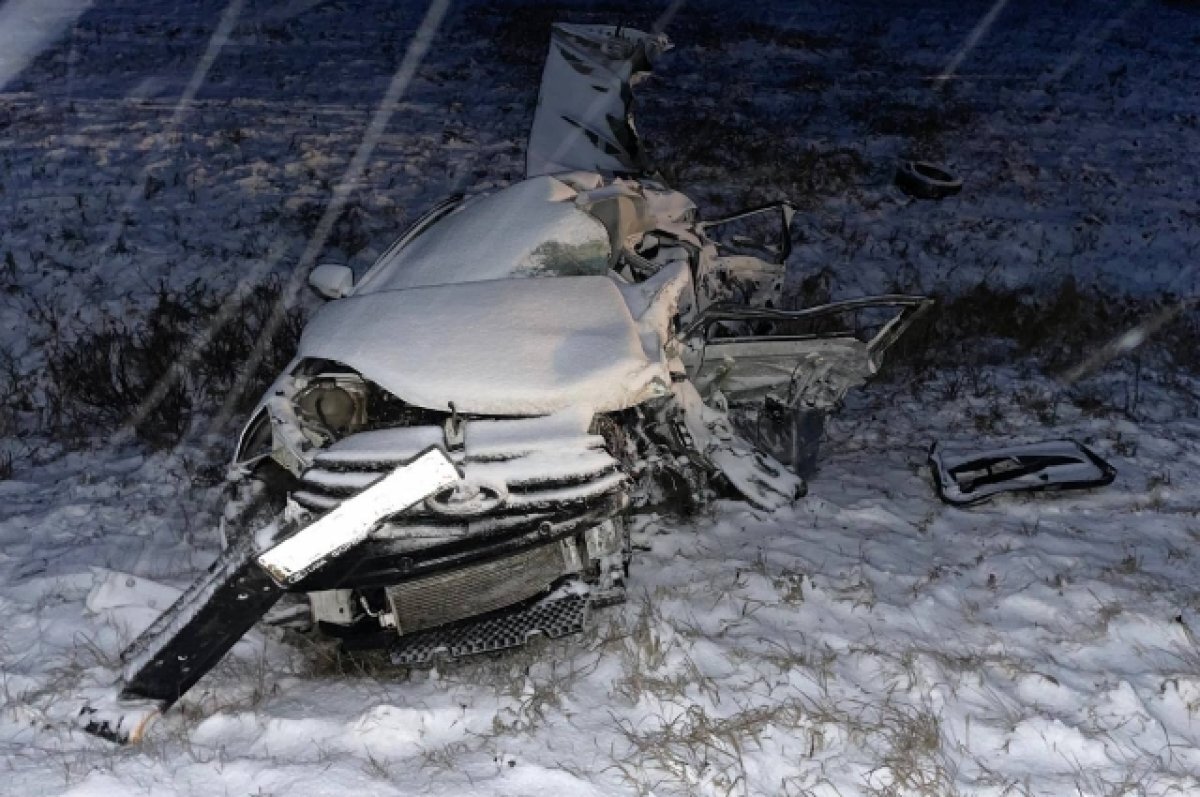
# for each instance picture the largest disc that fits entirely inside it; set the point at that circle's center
(869, 640)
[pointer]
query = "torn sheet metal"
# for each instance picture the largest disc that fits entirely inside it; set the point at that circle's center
(584, 113)
(759, 477)
(815, 371)
(963, 478)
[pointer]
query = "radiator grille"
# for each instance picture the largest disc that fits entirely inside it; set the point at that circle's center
(476, 589)
(536, 465)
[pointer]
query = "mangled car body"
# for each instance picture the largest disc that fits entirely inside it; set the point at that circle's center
(579, 343)
(575, 347)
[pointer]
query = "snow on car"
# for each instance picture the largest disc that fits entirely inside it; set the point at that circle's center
(580, 345)
(576, 342)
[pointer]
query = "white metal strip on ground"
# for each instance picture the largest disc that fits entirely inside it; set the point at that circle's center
(351, 521)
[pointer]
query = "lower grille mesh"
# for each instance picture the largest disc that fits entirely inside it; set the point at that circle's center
(553, 617)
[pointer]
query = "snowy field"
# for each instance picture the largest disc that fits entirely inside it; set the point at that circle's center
(867, 641)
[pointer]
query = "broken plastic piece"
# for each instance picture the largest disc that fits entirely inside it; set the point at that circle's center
(553, 617)
(968, 478)
(118, 720)
(350, 523)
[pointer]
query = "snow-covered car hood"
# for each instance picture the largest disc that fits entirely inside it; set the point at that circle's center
(501, 347)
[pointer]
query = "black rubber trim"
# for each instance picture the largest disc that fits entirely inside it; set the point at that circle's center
(231, 597)
(925, 180)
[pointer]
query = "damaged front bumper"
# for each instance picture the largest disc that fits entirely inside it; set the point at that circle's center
(539, 503)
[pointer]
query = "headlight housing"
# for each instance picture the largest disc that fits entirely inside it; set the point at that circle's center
(333, 405)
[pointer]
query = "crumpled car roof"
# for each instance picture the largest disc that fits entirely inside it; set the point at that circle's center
(501, 347)
(530, 229)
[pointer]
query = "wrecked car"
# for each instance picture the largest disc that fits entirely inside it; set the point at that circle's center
(582, 345)
(579, 345)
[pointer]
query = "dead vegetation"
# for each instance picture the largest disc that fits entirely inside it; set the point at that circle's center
(769, 168)
(159, 372)
(899, 118)
(697, 738)
(1057, 328)
(349, 232)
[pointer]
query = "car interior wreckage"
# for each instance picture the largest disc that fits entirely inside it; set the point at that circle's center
(446, 466)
